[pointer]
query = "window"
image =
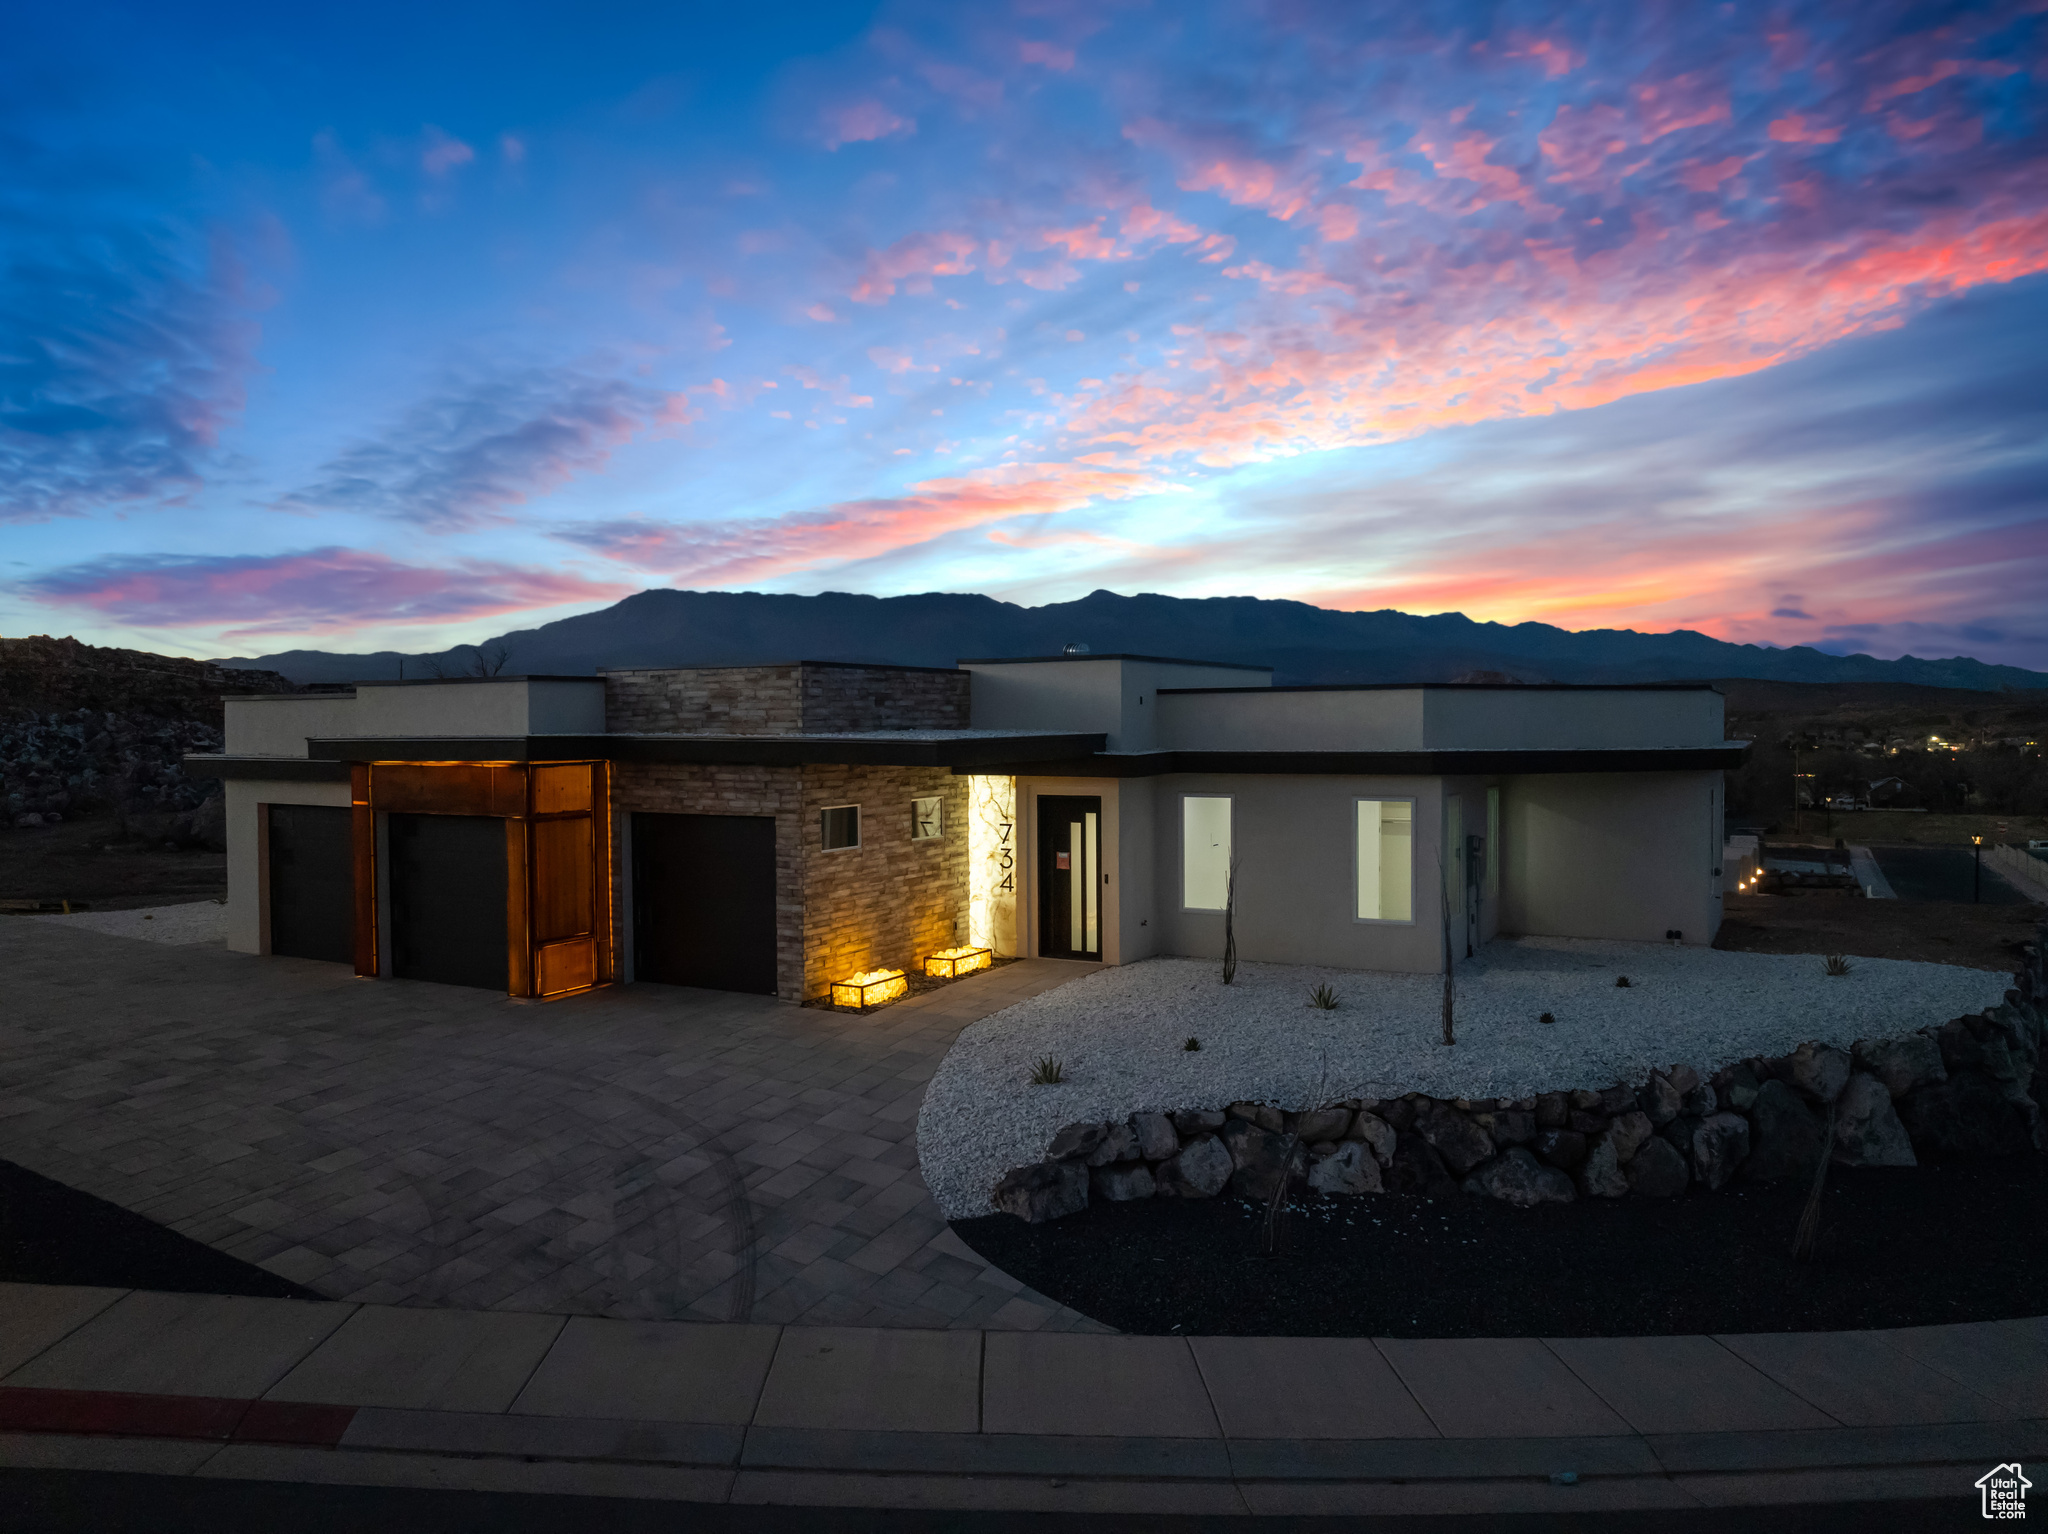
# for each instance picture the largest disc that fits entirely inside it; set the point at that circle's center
(1205, 852)
(1386, 859)
(840, 826)
(1493, 844)
(927, 819)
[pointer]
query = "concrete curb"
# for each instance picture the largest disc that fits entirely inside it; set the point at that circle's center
(96, 1379)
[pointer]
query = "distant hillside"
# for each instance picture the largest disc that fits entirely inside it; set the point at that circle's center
(1303, 644)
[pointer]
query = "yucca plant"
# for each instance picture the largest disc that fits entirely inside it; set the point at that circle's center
(1323, 999)
(1546, 1018)
(1622, 981)
(1192, 1045)
(1837, 964)
(1048, 1072)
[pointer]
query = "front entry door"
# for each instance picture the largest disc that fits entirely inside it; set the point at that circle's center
(704, 901)
(1070, 877)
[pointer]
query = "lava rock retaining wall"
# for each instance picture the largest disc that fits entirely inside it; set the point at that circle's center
(1969, 1087)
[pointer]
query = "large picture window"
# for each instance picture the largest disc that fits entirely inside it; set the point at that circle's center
(1386, 859)
(1205, 852)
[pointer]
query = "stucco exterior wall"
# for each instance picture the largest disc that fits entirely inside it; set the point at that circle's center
(888, 902)
(696, 789)
(1294, 842)
(481, 706)
(1107, 693)
(249, 849)
(1613, 855)
(281, 724)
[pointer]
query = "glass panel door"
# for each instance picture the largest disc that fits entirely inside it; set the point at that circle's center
(1069, 877)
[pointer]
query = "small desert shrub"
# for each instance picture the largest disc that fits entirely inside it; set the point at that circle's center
(1048, 1073)
(1837, 964)
(1546, 1018)
(1192, 1045)
(1622, 981)
(1323, 999)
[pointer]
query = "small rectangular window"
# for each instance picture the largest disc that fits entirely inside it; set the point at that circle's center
(1386, 859)
(927, 819)
(841, 826)
(1205, 852)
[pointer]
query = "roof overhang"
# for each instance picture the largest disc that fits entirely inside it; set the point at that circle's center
(1151, 764)
(267, 769)
(962, 752)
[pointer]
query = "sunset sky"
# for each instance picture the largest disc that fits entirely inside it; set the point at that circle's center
(377, 325)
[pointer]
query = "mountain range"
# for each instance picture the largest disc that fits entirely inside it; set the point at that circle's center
(1303, 644)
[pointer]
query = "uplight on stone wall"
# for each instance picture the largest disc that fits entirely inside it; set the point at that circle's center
(994, 863)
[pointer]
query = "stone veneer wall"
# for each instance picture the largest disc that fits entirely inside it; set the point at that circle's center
(839, 698)
(698, 789)
(784, 700)
(888, 902)
(711, 700)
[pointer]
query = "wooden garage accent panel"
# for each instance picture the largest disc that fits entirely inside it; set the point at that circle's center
(558, 896)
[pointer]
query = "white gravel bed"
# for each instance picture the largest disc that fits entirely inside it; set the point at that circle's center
(1119, 1034)
(201, 921)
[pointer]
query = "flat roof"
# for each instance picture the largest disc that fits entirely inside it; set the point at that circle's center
(771, 665)
(1462, 687)
(453, 681)
(1161, 660)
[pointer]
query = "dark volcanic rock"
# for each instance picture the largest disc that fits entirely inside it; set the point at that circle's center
(1562, 1148)
(1786, 1139)
(1045, 1190)
(1201, 1170)
(1658, 1171)
(1262, 1159)
(1519, 1178)
(1461, 1142)
(1966, 1115)
(1417, 1168)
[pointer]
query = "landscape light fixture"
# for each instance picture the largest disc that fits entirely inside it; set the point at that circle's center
(952, 963)
(869, 988)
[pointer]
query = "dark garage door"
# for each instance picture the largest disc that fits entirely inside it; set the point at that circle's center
(312, 883)
(448, 899)
(704, 901)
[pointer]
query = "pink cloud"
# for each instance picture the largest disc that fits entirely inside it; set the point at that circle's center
(1701, 176)
(1793, 128)
(912, 262)
(730, 552)
(319, 591)
(443, 154)
(1051, 55)
(864, 122)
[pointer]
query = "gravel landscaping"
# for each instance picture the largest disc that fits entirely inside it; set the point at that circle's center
(1120, 1037)
(201, 921)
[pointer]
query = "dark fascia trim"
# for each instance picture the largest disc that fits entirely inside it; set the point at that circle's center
(273, 769)
(290, 697)
(1433, 764)
(1461, 687)
(471, 681)
(783, 665)
(969, 753)
(1159, 660)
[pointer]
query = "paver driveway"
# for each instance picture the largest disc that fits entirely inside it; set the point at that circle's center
(639, 1151)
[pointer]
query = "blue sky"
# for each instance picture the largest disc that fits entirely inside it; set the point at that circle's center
(401, 326)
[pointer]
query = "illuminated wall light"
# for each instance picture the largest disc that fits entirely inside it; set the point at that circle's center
(994, 863)
(952, 963)
(870, 988)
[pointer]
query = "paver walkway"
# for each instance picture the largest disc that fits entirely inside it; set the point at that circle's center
(285, 1390)
(639, 1151)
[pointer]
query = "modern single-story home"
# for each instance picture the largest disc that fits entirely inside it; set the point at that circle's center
(776, 828)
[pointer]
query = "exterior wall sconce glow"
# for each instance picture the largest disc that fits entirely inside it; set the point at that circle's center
(952, 963)
(869, 988)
